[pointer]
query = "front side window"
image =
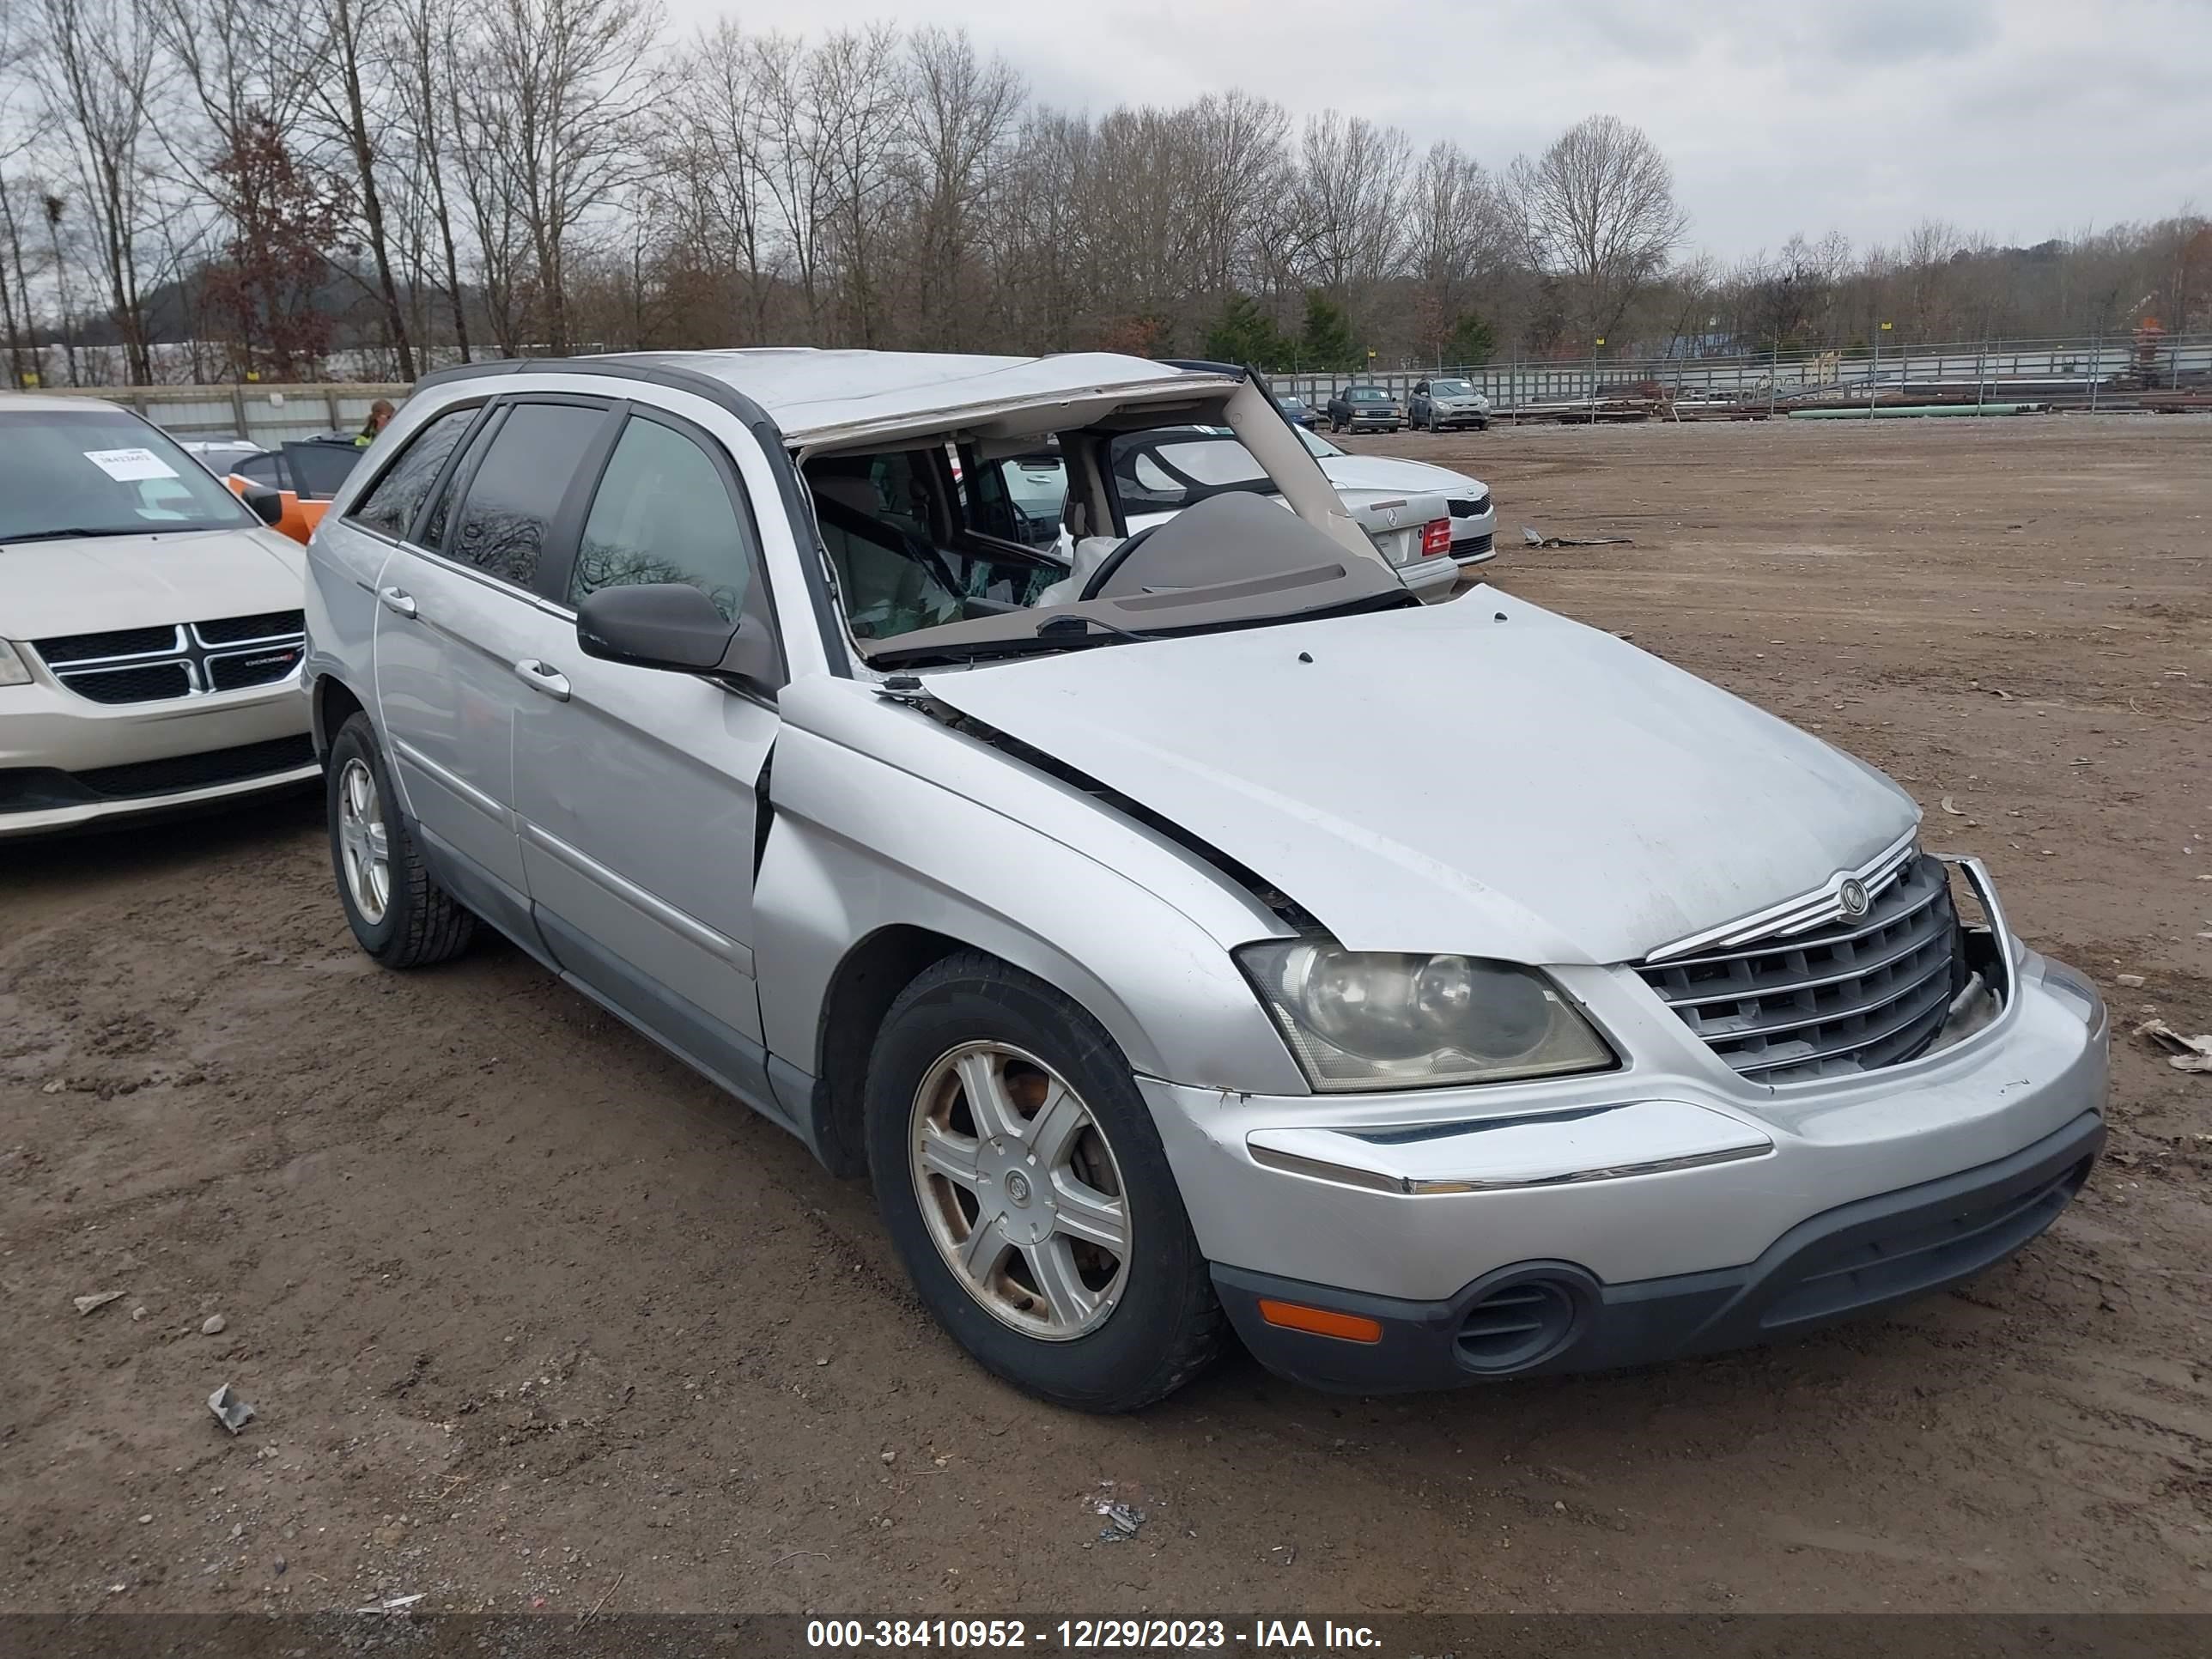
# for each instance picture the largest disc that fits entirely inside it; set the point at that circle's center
(389, 507)
(103, 472)
(663, 514)
(518, 488)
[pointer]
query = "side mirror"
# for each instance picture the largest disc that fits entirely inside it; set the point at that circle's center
(674, 626)
(654, 625)
(265, 501)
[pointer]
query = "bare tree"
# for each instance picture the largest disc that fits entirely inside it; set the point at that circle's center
(1600, 215)
(712, 142)
(21, 119)
(349, 101)
(548, 113)
(959, 113)
(852, 103)
(423, 45)
(1457, 240)
(97, 61)
(1347, 206)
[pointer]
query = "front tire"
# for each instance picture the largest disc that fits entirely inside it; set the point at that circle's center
(1023, 1185)
(400, 917)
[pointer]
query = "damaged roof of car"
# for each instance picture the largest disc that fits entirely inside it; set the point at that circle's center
(814, 394)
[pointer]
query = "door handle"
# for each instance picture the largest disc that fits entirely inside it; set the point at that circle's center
(395, 600)
(543, 677)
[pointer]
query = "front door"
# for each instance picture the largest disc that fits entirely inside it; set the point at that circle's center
(635, 787)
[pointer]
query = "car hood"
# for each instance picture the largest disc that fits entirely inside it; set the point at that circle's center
(1480, 776)
(1389, 472)
(145, 582)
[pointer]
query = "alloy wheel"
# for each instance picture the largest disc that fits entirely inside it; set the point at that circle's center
(364, 849)
(1019, 1190)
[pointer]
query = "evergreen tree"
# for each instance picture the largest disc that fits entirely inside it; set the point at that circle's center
(1246, 335)
(1327, 341)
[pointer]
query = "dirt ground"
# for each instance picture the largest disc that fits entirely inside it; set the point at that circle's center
(531, 1317)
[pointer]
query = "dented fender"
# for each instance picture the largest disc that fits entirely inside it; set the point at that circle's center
(933, 829)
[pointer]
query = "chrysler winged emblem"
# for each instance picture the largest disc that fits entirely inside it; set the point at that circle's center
(1854, 897)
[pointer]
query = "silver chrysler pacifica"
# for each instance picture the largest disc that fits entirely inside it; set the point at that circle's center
(1124, 912)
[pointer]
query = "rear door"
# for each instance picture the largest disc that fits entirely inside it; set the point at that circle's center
(637, 788)
(455, 609)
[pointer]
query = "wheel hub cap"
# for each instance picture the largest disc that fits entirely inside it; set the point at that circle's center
(1020, 1191)
(364, 849)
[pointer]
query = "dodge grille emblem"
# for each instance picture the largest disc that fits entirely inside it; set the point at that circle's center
(1854, 897)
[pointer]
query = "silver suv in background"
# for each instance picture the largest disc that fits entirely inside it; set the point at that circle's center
(1445, 405)
(1139, 938)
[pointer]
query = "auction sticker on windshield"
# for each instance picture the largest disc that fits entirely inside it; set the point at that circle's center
(130, 466)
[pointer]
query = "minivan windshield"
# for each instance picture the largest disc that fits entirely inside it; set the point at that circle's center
(102, 472)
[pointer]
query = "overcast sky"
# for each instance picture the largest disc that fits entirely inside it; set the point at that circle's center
(2020, 119)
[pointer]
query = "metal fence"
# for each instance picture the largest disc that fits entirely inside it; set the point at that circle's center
(2076, 369)
(266, 415)
(2087, 372)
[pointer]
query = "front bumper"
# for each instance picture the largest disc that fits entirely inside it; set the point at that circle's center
(66, 762)
(1474, 539)
(1442, 419)
(1670, 1174)
(1535, 1318)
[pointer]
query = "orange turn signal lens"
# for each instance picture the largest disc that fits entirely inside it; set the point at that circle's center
(1320, 1322)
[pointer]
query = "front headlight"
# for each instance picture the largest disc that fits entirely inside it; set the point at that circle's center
(13, 670)
(1375, 1019)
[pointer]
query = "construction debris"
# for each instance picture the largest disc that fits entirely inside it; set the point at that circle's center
(1534, 538)
(2184, 1053)
(85, 1304)
(229, 1410)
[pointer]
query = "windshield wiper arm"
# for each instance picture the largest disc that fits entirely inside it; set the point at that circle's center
(67, 532)
(1077, 626)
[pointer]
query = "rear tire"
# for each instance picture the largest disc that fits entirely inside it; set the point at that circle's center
(1043, 1227)
(400, 917)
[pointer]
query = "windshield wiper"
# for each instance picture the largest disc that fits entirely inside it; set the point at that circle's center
(70, 533)
(1075, 627)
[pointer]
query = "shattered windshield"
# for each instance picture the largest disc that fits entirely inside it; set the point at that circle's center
(942, 555)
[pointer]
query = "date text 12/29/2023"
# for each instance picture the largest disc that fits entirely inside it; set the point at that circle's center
(1086, 1634)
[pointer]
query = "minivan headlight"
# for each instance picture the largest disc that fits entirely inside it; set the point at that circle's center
(1379, 1019)
(13, 671)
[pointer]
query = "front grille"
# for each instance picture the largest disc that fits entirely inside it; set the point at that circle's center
(268, 625)
(243, 668)
(181, 772)
(1481, 544)
(153, 664)
(146, 683)
(1853, 996)
(1464, 507)
(118, 642)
